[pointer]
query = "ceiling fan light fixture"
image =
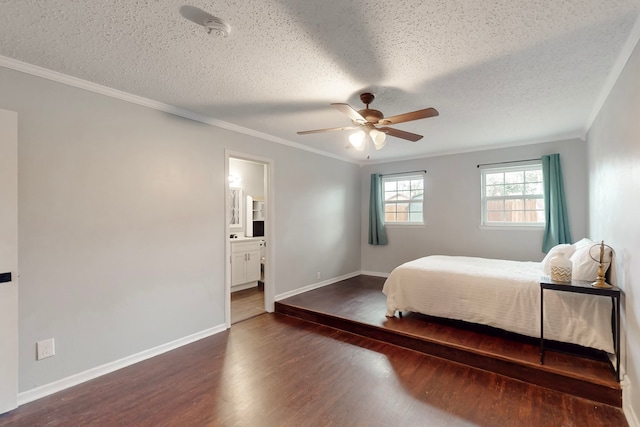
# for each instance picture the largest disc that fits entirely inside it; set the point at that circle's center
(357, 140)
(379, 138)
(367, 119)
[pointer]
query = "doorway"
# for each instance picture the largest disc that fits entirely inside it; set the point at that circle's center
(249, 221)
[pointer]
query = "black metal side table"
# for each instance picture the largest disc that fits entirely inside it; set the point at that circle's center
(583, 287)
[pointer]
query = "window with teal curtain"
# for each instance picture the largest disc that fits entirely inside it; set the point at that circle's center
(556, 230)
(377, 232)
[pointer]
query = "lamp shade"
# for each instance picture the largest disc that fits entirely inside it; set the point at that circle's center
(379, 138)
(357, 140)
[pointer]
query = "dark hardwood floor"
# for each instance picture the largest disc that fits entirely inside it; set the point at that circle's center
(357, 305)
(276, 370)
(246, 304)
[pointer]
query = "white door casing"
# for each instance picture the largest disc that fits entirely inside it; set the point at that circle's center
(269, 218)
(8, 260)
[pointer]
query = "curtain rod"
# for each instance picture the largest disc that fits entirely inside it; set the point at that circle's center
(504, 163)
(403, 173)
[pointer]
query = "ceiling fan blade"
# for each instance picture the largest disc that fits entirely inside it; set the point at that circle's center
(305, 132)
(407, 117)
(413, 137)
(349, 112)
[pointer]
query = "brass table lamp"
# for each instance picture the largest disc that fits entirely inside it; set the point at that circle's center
(605, 256)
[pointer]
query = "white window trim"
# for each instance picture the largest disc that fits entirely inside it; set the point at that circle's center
(401, 177)
(484, 224)
(405, 224)
(518, 227)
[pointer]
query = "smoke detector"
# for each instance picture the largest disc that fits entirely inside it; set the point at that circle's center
(216, 27)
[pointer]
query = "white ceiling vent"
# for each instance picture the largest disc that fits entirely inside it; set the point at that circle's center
(216, 27)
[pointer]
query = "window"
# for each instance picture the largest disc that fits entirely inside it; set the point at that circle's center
(513, 196)
(403, 199)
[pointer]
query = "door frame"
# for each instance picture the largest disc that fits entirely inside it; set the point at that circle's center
(269, 232)
(9, 260)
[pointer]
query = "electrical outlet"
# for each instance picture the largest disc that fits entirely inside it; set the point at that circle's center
(318, 275)
(45, 348)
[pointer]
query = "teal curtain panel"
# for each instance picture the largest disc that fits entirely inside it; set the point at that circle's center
(555, 206)
(377, 232)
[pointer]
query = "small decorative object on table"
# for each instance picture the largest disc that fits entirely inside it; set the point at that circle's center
(605, 257)
(561, 268)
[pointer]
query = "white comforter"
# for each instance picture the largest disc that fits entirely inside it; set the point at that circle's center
(499, 293)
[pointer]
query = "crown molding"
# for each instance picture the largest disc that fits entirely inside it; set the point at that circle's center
(614, 74)
(55, 76)
(552, 138)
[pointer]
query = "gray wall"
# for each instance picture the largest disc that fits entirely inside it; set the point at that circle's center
(614, 208)
(252, 175)
(318, 220)
(452, 208)
(121, 224)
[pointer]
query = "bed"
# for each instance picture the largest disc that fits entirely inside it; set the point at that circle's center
(499, 293)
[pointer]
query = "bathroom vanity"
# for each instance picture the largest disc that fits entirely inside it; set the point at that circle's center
(246, 262)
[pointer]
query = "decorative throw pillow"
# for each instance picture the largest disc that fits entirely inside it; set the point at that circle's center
(557, 249)
(585, 267)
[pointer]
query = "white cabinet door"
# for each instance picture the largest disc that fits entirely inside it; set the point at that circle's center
(8, 260)
(253, 265)
(245, 262)
(238, 275)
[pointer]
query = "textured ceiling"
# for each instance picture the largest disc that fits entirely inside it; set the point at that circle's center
(500, 72)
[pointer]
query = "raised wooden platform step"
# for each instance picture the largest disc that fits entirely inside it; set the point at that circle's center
(358, 306)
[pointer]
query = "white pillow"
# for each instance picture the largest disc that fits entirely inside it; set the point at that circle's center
(585, 267)
(556, 250)
(583, 242)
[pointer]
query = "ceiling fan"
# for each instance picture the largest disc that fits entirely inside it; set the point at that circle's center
(366, 121)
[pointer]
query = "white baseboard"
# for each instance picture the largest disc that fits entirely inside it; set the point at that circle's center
(73, 380)
(316, 286)
(627, 390)
(64, 383)
(374, 273)
(81, 377)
